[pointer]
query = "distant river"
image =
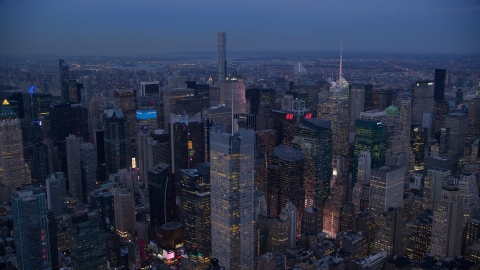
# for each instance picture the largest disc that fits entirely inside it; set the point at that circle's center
(139, 67)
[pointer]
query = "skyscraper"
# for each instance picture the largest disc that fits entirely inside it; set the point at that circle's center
(12, 164)
(63, 70)
(473, 125)
(161, 195)
(86, 242)
(196, 215)
(125, 101)
(386, 190)
(30, 226)
(74, 167)
(124, 211)
(390, 232)
(314, 139)
(232, 193)
(362, 186)
(232, 94)
(423, 92)
(447, 224)
(434, 181)
(286, 181)
(56, 192)
(372, 137)
(222, 57)
(88, 169)
(457, 122)
(469, 192)
(117, 142)
(357, 103)
(439, 91)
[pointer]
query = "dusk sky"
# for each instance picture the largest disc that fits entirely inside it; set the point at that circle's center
(151, 27)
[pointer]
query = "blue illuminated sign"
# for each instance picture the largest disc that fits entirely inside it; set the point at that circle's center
(31, 90)
(146, 114)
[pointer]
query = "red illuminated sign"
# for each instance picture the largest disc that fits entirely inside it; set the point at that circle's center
(289, 116)
(308, 115)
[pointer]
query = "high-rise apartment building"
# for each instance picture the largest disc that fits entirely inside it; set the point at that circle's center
(222, 56)
(423, 92)
(447, 224)
(12, 164)
(117, 142)
(433, 184)
(86, 242)
(30, 226)
(386, 190)
(232, 193)
(286, 181)
(390, 232)
(439, 89)
(469, 192)
(314, 139)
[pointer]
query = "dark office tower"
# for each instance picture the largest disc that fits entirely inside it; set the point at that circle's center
(442, 109)
(65, 119)
(64, 76)
(117, 142)
(86, 242)
(457, 122)
(30, 226)
(253, 96)
(439, 92)
(187, 143)
(99, 142)
(161, 195)
(422, 100)
(357, 103)
(368, 97)
(56, 192)
(419, 135)
(372, 137)
(196, 217)
(314, 139)
(87, 167)
(41, 169)
(102, 201)
(473, 125)
(459, 97)
(52, 232)
(222, 57)
(125, 101)
(286, 168)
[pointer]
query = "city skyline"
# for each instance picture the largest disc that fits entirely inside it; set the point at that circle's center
(152, 28)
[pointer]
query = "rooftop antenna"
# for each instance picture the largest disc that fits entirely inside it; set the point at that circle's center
(340, 73)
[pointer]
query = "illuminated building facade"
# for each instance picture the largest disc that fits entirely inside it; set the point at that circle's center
(232, 193)
(314, 138)
(12, 164)
(447, 224)
(146, 119)
(389, 236)
(30, 226)
(286, 181)
(334, 205)
(86, 242)
(196, 214)
(372, 137)
(117, 142)
(419, 135)
(386, 190)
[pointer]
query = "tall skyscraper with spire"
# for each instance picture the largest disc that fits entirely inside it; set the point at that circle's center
(63, 69)
(222, 56)
(339, 113)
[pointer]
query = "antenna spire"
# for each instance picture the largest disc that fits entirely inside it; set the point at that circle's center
(340, 73)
